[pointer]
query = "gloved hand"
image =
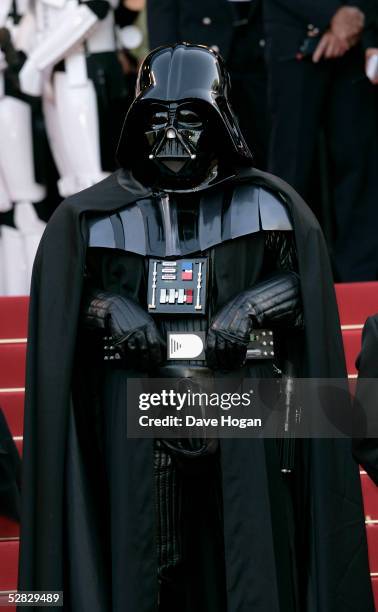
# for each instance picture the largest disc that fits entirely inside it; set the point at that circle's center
(274, 301)
(129, 333)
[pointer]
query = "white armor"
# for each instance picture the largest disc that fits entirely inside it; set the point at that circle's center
(66, 29)
(18, 187)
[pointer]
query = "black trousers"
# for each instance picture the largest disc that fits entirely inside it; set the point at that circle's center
(246, 64)
(334, 94)
(248, 96)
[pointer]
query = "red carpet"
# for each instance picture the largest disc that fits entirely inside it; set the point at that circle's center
(356, 302)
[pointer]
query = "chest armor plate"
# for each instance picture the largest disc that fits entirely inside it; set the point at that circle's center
(160, 227)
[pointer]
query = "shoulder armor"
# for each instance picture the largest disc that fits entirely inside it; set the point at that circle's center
(273, 212)
(101, 233)
(262, 209)
(138, 228)
(252, 209)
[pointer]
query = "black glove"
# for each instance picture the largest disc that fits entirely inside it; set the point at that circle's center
(129, 332)
(274, 301)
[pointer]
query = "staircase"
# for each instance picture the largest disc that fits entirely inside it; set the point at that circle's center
(356, 302)
(13, 326)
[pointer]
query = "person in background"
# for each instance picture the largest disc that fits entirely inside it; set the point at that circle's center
(365, 449)
(316, 77)
(234, 29)
(10, 473)
(370, 40)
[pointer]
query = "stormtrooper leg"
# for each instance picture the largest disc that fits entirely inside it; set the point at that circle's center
(18, 247)
(16, 151)
(31, 228)
(13, 262)
(17, 167)
(5, 205)
(5, 201)
(56, 139)
(74, 135)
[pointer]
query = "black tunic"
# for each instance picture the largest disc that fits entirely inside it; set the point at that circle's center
(197, 581)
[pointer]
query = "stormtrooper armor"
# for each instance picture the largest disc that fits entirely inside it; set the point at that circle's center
(18, 188)
(67, 31)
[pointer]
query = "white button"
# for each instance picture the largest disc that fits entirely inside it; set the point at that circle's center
(206, 21)
(215, 48)
(262, 42)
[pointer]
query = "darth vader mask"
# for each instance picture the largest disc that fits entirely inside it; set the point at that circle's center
(180, 142)
(180, 133)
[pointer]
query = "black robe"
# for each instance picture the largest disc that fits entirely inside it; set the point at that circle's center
(335, 540)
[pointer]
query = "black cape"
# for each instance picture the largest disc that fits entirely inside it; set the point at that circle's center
(338, 578)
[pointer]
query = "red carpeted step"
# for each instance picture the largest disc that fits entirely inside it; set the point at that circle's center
(8, 564)
(8, 528)
(13, 317)
(12, 404)
(3, 599)
(370, 493)
(357, 301)
(374, 582)
(372, 537)
(12, 370)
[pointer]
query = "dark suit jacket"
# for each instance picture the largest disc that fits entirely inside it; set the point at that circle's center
(302, 13)
(366, 450)
(208, 22)
(371, 31)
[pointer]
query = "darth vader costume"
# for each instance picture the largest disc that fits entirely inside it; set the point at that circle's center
(142, 525)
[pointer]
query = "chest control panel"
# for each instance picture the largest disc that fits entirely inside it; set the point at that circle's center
(177, 287)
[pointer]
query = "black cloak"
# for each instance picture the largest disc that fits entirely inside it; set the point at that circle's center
(338, 579)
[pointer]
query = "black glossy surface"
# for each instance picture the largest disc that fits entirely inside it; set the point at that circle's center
(182, 88)
(195, 222)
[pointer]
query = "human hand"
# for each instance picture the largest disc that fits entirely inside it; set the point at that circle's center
(347, 24)
(329, 47)
(134, 5)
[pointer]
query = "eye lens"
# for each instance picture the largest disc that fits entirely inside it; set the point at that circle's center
(159, 119)
(189, 117)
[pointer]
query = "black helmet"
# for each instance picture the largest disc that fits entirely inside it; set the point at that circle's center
(180, 132)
